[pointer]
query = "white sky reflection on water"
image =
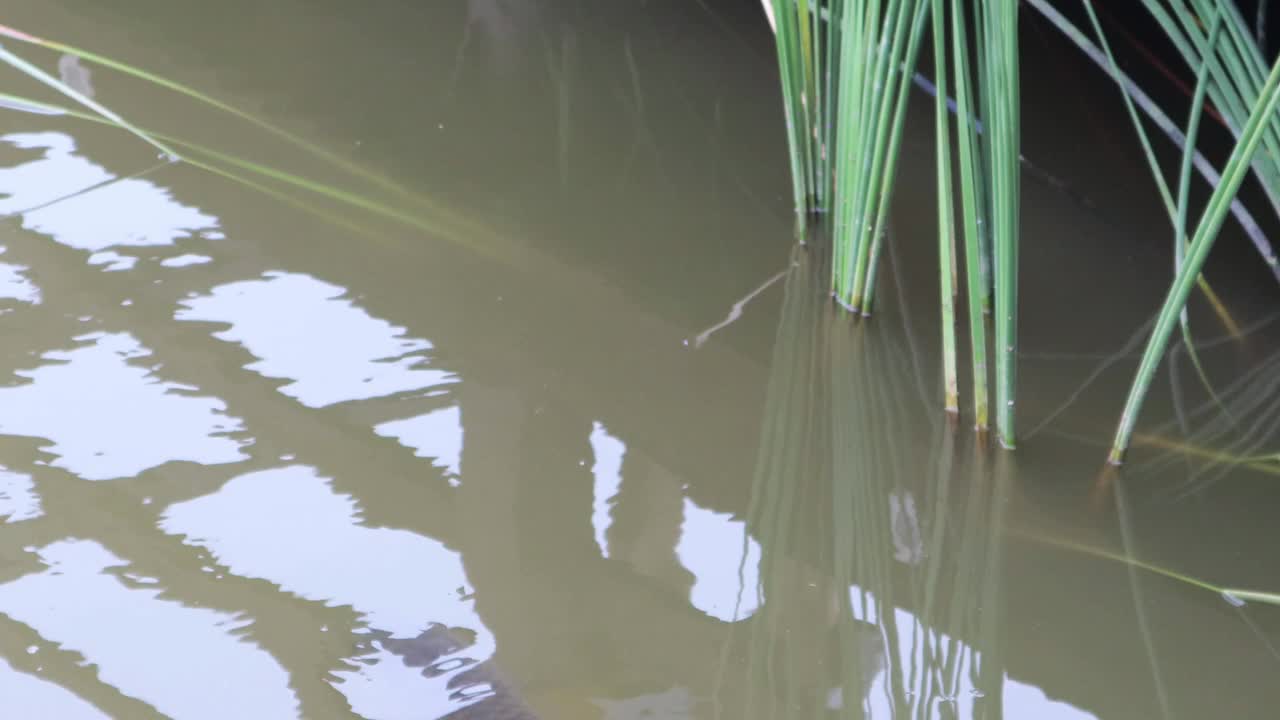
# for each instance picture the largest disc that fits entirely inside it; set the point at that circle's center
(57, 172)
(1020, 699)
(126, 212)
(436, 435)
(14, 284)
(303, 330)
(113, 261)
(27, 696)
(288, 526)
(608, 452)
(710, 544)
(711, 547)
(18, 498)
(108, 418)
(186, 260)
(186, 662)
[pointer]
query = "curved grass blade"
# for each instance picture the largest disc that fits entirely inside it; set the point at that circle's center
(457, 231)
(1184, 186)
(161, 81)
(45, 78)
(1240, 595)
(1177, 210)
(1206, 233)
(1144, 102)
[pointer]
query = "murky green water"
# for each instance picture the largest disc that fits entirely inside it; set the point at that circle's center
(586, 439)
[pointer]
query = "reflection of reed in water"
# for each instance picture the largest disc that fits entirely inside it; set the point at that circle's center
(1240, 428)
(894, 611)
(775, 663)
(926, 573)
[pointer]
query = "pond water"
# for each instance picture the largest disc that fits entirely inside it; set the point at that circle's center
(555, 420)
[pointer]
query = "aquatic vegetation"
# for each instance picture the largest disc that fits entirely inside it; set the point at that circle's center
(845, 70)
(1233, 595)
(424, 213)
(161, 81)
(105, 113)
(839, 629)
(1236, 430)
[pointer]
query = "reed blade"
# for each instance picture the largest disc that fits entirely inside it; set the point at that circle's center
(1206, 233)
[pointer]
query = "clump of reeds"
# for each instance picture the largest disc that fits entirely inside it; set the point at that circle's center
(847, 68)
(846, 73)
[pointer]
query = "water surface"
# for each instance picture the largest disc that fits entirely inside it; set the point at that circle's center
(586, 439)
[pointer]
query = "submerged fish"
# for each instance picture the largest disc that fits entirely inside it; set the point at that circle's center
(433, 651)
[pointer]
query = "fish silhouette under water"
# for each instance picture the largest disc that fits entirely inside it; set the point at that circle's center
(431, 651)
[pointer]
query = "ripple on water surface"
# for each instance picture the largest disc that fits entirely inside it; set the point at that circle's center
(94, 210)
(290, 527)
(109, 417)
(305, 331)
(186, 662)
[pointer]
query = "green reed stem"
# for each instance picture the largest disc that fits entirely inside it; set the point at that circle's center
(1246, 220)
(969, 182)
(1001, 86)
(1206, 233)
(786, 40)
(1175, 209)
(905, 70)
(946, 213)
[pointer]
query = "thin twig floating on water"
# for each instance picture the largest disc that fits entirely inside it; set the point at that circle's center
(735, 311)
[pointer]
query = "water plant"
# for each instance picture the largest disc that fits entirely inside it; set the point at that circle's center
(846, 66)
(847, 69)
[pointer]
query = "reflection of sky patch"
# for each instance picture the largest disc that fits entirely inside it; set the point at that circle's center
(289, 527)
(107, 418)
(124, 213)
(436, 435)
(113, 260)
(1020, 700)
(303, 330)
(121, 213)
(56, 173)
(185, 260)
(186, 662)
(711, 547)
(26, 696)
(607, 469)
(15, 286)
(18, 498)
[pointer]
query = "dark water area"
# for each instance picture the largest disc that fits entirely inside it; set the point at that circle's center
(558, 421)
